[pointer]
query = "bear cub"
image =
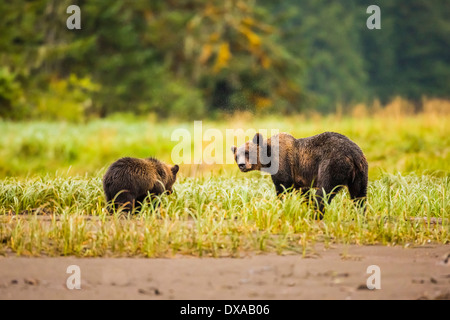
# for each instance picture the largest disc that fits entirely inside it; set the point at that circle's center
(325, 162)
(128, 181)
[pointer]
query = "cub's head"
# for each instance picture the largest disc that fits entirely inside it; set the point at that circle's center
(248, 156)
(172, 177)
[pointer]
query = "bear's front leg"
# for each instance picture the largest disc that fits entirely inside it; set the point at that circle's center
(281, 186)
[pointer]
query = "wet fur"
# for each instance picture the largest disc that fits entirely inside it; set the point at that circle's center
(326, 162)
(128, 181)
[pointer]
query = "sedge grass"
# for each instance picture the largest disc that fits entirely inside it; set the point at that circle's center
(215, 216)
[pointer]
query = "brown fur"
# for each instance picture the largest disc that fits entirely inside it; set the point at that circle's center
(325, 162)
(128, 181)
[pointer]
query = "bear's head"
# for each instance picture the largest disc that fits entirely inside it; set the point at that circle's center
(253, 155)
(171, 178)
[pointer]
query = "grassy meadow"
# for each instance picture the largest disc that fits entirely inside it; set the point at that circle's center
(52, 203)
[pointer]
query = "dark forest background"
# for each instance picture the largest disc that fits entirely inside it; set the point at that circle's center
(200, 58)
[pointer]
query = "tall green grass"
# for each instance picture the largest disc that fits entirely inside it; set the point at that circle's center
(215, 216)
(52, 203)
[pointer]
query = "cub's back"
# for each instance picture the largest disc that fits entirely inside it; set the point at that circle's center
(129, 166)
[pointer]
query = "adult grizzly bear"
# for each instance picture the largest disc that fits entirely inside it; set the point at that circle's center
(326, 162)
(128, 181)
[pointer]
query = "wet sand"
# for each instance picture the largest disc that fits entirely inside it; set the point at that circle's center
(339, 272)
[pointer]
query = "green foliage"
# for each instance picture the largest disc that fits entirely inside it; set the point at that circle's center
(216, 216)
(11, 96)
(409, 55)
(346, 63)
(173, 98)
(322, 33)
(191, 59)
(237, 58)
(66, 99)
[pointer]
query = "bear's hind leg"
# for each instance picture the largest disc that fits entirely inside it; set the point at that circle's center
(358, 192)
(125, 200)
(328, 185)
(324, 193)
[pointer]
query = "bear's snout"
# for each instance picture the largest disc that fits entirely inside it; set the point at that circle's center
(245, 167)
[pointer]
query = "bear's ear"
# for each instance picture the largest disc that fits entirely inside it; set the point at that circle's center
(233, 149)
(175, 169)
(258, 139)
